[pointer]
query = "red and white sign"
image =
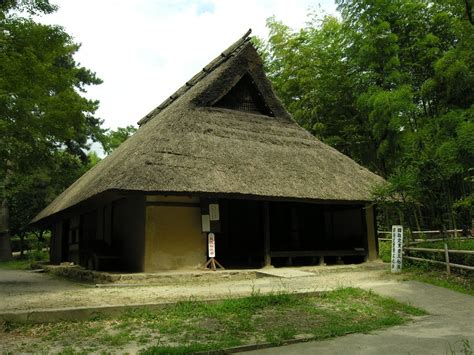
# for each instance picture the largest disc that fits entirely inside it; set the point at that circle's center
(211, 245)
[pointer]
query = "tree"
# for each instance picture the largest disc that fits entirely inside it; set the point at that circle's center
(42, 112)
(391, 84)
(113, 139)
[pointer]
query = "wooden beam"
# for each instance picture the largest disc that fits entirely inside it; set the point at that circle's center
(267, 260)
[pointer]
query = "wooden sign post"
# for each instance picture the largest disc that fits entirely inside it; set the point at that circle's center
(397, 248)
(211, 248)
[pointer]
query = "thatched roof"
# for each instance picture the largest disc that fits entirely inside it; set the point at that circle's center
(190, 145)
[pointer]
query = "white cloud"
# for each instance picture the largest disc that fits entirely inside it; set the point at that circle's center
(144, 49)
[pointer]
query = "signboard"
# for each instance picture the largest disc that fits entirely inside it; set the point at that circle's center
(397, 248)
(214, 212)
(211, 245)
(205, 223)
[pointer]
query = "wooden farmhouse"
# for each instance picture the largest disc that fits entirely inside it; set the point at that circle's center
(223, 156)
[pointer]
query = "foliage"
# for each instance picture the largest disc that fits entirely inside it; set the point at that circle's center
(385, 250)
(189, 326)
(25, 262)
(114, 138)
(46, 124)
(462, 259)
(391, 84)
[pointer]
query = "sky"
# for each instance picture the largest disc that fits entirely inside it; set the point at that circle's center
(144, 50)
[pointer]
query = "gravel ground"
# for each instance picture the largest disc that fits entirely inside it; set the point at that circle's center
(24, 290)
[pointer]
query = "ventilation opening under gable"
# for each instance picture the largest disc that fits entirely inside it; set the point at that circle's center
(246, 97)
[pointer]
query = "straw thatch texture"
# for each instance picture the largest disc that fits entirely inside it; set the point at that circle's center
(192, 147)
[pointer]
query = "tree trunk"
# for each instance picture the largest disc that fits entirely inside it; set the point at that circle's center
(417, 221)
(468, 4)
(5, 246)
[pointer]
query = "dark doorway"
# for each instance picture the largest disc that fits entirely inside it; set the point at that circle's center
(240, 243)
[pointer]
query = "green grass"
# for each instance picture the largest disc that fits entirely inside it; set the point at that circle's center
(459, 280)
(199, 326)
(425, 272)
(24, 263)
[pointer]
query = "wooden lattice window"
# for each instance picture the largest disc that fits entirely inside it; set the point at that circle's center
(245, 96)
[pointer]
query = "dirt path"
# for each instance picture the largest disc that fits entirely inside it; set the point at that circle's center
(22, 290)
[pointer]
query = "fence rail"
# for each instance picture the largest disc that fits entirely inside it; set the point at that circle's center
(446, 252)
(452, 251)
(456, 232)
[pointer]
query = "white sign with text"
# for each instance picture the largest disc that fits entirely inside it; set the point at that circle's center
(211, 245)
(397, 248)
(214, 212)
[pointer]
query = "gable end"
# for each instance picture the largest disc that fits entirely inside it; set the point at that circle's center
(245, 96)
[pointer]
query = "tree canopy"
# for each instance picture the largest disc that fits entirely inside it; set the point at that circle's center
(391, 85)
(46, 124)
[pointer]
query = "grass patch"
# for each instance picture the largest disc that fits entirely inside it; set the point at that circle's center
(459, 280)
(24, 263)
(198, 326)
(424, 272)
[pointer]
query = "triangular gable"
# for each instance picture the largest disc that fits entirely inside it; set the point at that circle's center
(238, 71)
(245, 96)
(223, 57)
(239, 77)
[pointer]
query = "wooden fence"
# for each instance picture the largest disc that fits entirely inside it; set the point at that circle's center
(446, 252)
(410, 245)
(449, 232)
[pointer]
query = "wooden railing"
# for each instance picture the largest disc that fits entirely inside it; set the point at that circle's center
(446, 252)
(455, 232)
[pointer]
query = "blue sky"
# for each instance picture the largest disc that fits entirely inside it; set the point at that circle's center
(144, 49)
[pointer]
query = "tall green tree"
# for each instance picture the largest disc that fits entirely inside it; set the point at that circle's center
(391, 85)
(42, 111)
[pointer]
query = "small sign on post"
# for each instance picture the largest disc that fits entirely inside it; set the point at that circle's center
(397, 248)
(211, 250)
(211, 245)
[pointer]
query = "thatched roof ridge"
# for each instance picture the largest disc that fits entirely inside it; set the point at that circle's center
(193, 147)
(199, 76)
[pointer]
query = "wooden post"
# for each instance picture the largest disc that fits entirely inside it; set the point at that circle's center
(267, 260)
(371, 233)
(446, 256)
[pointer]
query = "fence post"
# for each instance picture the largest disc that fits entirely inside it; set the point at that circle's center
(446, 256)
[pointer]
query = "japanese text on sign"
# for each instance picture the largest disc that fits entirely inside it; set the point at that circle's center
(397, 248)
(214, 212)
(211, 245)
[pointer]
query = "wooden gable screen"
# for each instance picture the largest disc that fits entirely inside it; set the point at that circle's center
(245, 96)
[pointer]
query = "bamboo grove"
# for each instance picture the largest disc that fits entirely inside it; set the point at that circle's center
(391, 84)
